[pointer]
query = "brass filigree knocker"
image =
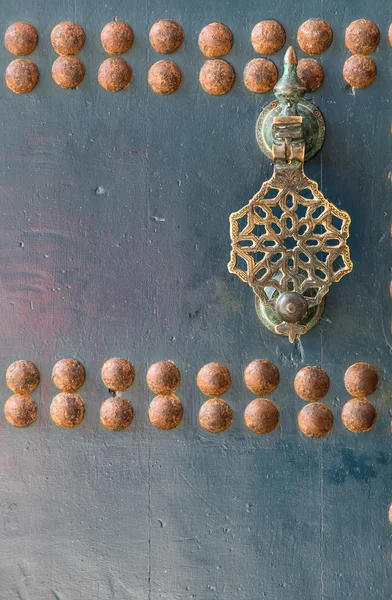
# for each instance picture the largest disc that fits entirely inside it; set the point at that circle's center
(289, 242)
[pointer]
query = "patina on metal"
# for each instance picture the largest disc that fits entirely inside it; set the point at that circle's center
(289, 242)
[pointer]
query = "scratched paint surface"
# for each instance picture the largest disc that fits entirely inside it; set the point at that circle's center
(114, 242)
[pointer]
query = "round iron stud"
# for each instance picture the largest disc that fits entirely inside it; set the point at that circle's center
(116, 413)
(268, 37)
(21, 76)
(261, 377)
(114, 74)
(163, 377)
(217, 77)
(164, 77)
(311, 73)
(20, 410)
(359, 71)
(21, 38)
(215, 40)
(315, 420)
(117, 374)
(362, 37)
(67, 38)
(68, 375)
(311, 383)
(213, 379)
(117, 37)
(359, 415)
(67, 410)
(361, 380)
(166, 36)
(260, 75)
(261, 416)
(215, 415)
(314, 36)
(22, 377)
(68, 71)
(165, 412)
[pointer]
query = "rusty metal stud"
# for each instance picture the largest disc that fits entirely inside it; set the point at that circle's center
(22, 377)
(163, 377)
(117, 37)
(67, 410)
(390, 35)
(261, 415)
(215, 415)
(217, 77)
(260, 75)
(359, 71)
(215, 40)
(165, 411)
(311, 73)
(315, 420)
(268, 37)
(67, 38)
(390, 514)
(261, 377)
(114, 74)
(68, 374)
(68, 71)
(21, 38)
(311, 383)
(314, 36)
(117, 374)
(21, 76)
(361, 380)
(164, 77)
(116, 413)
(362, 37)
(166, 36)
(359, 415)
(20, 410)
(213, 379)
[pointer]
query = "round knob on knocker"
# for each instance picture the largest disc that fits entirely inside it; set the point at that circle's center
(292, 307)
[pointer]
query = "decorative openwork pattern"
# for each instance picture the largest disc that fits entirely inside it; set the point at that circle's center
(290, 238)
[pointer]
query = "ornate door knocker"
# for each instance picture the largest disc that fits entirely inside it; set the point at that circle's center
(289, 242)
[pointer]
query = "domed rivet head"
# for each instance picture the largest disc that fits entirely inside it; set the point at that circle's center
(21, 76)
(21, 38)
(215, 415)
(20, 410)
(261, 377)
(215, 40)
(213, 379)
(164, 77)
(359, 71)
(268, 37)
(116, 413)
(260, 75)
(361, 380)
(117, 37)
(216, 77)
(292, 307)
(68, 375)
(67, 410)
(117, 374)
(314, 36)
(390, 35)
(311, 384)
(359, 415)
(390, 514)
(114, 74)
(165, 411)
(67, 38)
(22, 377)
(315, 420)
(261, 415)
(362, 37)
(166, 36)
(311, 73)
(163, 377)
(68, 71)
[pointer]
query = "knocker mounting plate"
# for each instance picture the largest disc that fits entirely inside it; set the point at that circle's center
(290, 243)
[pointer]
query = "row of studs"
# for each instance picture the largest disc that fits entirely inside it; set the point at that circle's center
(214, 379)
(215, 40)
(166, 412)
(216, 76)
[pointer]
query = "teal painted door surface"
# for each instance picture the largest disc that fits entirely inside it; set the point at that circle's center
(114, 243)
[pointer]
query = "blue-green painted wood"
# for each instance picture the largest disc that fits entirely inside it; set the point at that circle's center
(114, 242)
